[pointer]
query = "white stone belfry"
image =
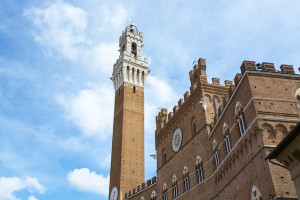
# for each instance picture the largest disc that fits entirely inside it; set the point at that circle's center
(130, 67)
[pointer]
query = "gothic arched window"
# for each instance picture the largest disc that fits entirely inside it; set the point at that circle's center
(175, 187)
(186, 179)
(199, 169)
(240, 118)
(217, 159)
(227, 137)
(228, 143)
(216, 103)
(153, 195)
(165, 192)
(133, 49)
(255, 194)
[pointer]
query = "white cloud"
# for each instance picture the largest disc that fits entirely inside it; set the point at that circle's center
(159, 94)
(61, 26)
(103, 56)
(113, 19)
(10, 185)
(91, 110)
(84, 180)
(160, 91)
(32, 198)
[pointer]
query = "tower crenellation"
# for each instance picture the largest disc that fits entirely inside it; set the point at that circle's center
(130, 67)
(198, 74)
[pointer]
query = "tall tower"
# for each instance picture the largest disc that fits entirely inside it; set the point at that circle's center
(129, 76)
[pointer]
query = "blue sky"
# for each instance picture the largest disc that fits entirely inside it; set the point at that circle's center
(56, 99)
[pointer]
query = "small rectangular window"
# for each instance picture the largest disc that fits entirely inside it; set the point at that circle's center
(228, 144)
(217, 159)
(195, 128)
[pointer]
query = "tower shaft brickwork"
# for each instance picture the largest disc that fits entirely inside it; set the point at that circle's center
(129, 76)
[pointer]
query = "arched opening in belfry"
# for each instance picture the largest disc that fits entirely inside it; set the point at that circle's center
(143, 74)
(132, 75)
(133, 49)
(128, 73)
(138, 76)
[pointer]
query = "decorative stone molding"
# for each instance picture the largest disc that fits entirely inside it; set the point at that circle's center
(130, 67)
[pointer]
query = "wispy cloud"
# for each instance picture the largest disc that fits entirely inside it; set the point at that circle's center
(90, 109)
(61, 27)
(159, 90)
(103, 56)
(10, 185)
(84, 180)
(32, 198)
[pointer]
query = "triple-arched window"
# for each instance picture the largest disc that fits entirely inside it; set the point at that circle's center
(186, 179)
(174, 187)
(199, 169)
(153, 195)
(165, 192)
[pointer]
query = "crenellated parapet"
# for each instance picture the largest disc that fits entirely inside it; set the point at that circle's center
(140, 188)
(266, 67)
(162, 118)
(198, 74)
(198, 77)
(198, 82)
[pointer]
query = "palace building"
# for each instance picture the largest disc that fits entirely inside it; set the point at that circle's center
(213, 144)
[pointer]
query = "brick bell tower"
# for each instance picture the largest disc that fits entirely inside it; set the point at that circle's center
(129, 76)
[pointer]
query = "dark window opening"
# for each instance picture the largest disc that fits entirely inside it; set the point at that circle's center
(164, 158)
(242, 124)
(133, 49)
(175, 191)
(195, 128)
(200, 174)
(133, 89)
(165, 196)
(186, 184)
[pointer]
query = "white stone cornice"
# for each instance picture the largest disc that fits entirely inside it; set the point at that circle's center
(130, 67)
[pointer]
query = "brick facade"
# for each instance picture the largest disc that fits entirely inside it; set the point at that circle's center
(266, 102)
